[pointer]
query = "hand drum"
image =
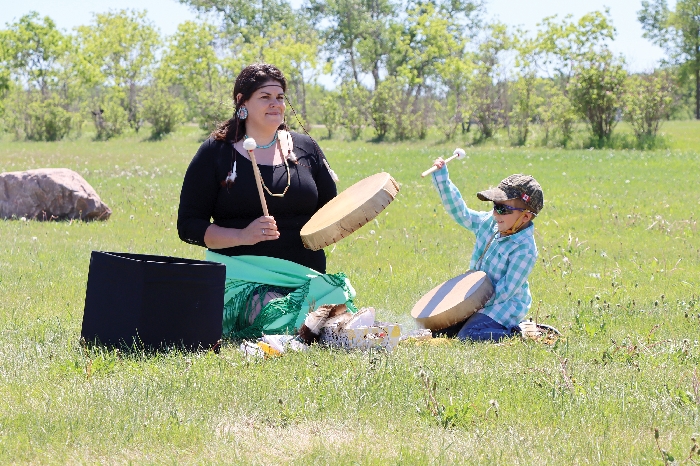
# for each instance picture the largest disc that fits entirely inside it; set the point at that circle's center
(453, 301)
(349, 210)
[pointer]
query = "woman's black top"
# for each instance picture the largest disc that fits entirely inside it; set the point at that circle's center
(205, 196)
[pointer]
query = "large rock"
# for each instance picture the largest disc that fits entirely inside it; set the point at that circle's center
(49, 194)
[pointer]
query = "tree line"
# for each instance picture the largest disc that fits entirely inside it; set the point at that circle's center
(403, 68)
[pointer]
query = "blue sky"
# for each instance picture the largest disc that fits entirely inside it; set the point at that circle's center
(167, 14)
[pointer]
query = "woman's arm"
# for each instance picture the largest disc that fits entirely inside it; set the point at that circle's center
(200, 189)
(325, 184)
(260, 229)
(198, 195)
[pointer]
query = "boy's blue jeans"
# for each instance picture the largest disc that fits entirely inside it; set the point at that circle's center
(478, 327)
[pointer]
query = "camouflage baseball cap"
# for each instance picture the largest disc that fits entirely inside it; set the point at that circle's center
(518, 186)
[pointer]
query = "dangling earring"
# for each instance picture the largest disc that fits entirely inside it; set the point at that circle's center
(242, 113)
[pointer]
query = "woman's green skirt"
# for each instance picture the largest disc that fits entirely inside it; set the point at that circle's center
(249, 278)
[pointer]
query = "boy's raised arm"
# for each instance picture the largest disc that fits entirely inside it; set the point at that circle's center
(454, 203)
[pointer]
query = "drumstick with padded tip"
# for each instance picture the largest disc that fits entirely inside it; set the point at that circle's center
(457, 154)
(250, 145)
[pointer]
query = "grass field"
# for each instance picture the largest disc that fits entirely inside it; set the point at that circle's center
(619, 274)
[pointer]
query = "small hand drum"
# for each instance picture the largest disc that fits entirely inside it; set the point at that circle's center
(453, 301)
(348, 211)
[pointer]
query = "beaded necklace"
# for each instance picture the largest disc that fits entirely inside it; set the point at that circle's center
(266, 146)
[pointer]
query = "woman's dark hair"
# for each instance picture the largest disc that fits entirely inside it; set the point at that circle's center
(250, 79)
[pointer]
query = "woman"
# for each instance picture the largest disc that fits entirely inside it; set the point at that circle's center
(219, 184)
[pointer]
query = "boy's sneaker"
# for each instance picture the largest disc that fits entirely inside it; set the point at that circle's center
(530, 329)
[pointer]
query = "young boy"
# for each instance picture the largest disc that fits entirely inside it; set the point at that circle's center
(505, 250)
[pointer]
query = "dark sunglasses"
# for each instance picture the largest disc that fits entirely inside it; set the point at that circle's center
(502, 209)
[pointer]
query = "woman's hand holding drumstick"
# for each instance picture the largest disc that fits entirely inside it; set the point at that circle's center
(250, 145)
(265, 227)
(261, 229)
(439, 162)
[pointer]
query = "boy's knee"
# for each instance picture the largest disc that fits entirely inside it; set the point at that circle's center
(480, 327)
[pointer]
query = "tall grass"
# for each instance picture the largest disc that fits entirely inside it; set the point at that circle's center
(619, 274)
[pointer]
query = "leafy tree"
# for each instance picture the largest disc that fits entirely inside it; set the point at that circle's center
(453, 107)
(648, 101)
(30, 115)
(118, 50)
(32, 48)
(488, 89)
(71, 89)
(190, 64)
(568, 48)
(454, 74)
(4, 88)
(425, 63)
(294, 50)
(244, 19)
(33, 57)
(213, 109)
(15, 110)
(396, 110)
(677, 31)
(4, 68)
(596, 92)
(524, 97)
(356, 33)
(420, 43)
(565, 44)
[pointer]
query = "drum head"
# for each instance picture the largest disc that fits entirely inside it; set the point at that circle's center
(453, 301)
(349, 210)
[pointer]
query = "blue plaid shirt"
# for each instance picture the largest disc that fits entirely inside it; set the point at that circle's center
(508, 261)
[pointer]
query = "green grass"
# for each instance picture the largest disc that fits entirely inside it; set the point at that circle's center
(619, 274)
(683, 134)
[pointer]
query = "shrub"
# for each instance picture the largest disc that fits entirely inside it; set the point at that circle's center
(330, 113)
(354, 101)
(109, 117)
(162, 110)
(46, 120)
(556, 115)
(384, 107)
(448, 115)
(32, 116)
(525, 101)
(489, 103)
(596, 92)
(648, 101)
